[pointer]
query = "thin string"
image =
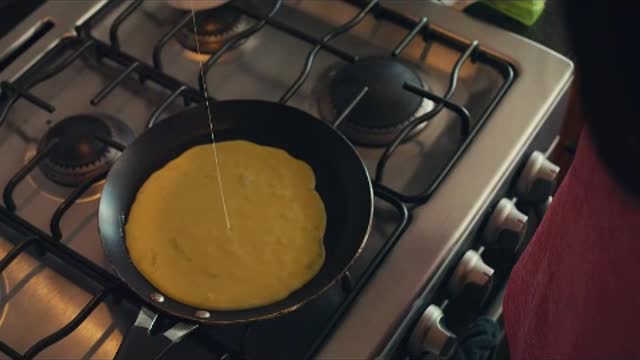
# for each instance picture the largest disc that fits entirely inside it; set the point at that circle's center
(213, 138)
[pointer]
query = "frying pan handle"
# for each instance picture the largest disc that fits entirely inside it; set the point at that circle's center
(139, 344)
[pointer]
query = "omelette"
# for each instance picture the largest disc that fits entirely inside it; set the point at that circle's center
(177, 235)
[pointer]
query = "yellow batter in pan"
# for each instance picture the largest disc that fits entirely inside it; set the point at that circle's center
(178, 239)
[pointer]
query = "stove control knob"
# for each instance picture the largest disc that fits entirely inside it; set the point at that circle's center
(431, 337)
(538, 178)
(471, 275)
(506, 227)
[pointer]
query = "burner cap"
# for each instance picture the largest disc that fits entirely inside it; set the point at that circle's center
(214, 27)
(386, 107)
(78, 154)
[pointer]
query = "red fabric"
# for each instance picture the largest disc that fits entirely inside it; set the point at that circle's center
(575, 292)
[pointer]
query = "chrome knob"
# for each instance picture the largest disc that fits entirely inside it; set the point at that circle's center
(430, 336)
(506, 226)
(471, 272)
(538, 178)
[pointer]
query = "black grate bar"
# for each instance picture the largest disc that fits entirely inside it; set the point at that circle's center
(308, 63)
(463, 113)
(112, 85)
(67, 329)
(85, 267)
(402, 20)
(115, 26)
(453, 81)
(405, 219)
(15, 252)
(54, 225)
(157, 49)
(426, 195)
(5, 109)
(160, 109)
(284, 27)
(36, 101)
(112, 143)
(455, 73)
(235, 40)
(348, 109)
(147, 72)
(10, 351)
(216, 350)
(410, 36)
(13, 92)
(66, 254)
(7, 86)
(7, 194)
(49, 73)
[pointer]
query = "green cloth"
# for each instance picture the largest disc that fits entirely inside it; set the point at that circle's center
(525, 11)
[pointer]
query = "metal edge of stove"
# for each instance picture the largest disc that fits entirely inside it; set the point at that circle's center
(531, 94)
(544, 137)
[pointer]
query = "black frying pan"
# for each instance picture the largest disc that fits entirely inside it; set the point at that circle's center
(341, 180)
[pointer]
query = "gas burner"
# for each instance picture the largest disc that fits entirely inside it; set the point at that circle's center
(214, 26)
(78, 154)
(386, 108)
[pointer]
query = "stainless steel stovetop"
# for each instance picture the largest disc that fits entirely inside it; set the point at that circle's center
(39, 295)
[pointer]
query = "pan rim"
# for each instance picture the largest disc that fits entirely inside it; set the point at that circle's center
(166, 307)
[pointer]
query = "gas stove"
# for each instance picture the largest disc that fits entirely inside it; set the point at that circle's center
(452, 127)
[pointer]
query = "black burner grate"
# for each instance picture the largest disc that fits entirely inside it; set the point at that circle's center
(112, 287)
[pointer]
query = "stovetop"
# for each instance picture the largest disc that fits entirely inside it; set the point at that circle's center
(413, 239)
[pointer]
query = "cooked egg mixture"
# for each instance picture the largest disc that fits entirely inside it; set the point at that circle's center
(178, 239)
